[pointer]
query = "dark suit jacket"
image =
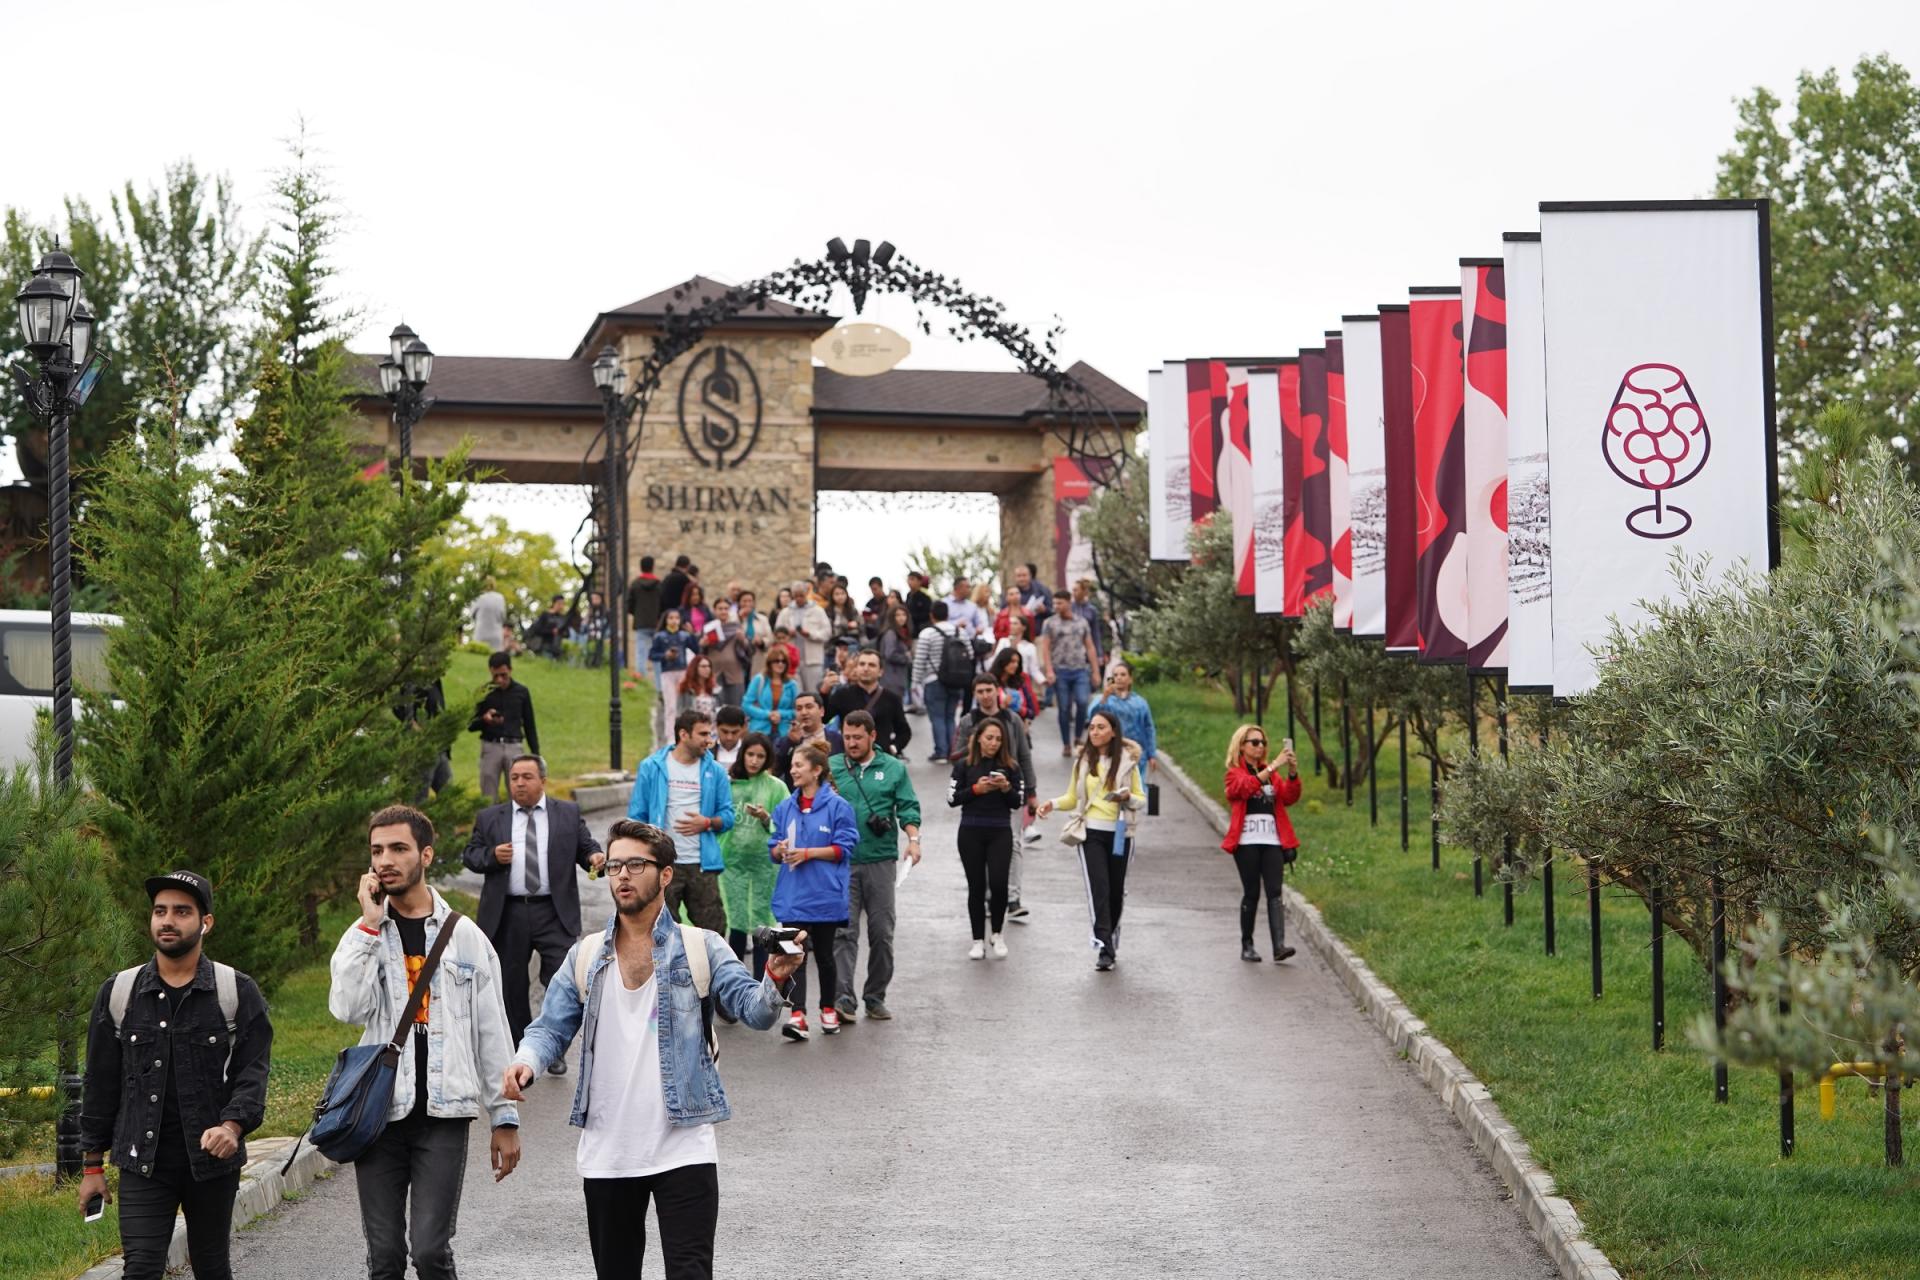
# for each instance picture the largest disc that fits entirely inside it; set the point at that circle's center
(569, 844)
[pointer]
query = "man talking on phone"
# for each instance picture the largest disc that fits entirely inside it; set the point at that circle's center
(177, 1056)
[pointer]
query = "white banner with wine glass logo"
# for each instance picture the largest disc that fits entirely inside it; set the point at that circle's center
(1529, 558)
(1169, 513)
(1659, 392)
(1264, 440)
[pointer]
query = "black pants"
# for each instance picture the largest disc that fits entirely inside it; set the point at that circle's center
(527, 927)
(986, 853)
(1262, 866)
(1106, 886)
(147, 1206)
(820, 946)
(687, 1201)
(421, 1160)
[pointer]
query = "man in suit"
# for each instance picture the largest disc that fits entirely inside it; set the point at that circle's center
(527, 850)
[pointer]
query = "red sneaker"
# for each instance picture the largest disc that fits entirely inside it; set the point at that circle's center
(796, 1028)
(829, 1021)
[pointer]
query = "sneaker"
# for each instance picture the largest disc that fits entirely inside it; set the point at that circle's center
(829, 1021)
(1017, 912)
(1065, 751)
(1032, 835)
(978, 951)
(1101, 964)
(1283, 954)
(796, 1028)
(846, 1008)
(877, 1011)
(999, 947)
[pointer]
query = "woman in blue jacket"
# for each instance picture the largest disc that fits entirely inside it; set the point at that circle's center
(770, 695)
(814, 832)
(673, 645)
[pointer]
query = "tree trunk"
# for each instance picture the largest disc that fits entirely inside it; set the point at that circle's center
(310, 921)
(1305, 726)
(1896, 1154)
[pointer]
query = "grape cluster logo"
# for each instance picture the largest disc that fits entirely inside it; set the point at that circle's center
(1656, 439)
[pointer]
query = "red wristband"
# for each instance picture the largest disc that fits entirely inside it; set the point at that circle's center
(92, 1169)
(361, 925)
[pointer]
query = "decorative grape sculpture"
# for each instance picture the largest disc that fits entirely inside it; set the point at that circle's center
(1656, 439)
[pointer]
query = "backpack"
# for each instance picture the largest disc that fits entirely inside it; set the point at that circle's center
(225, 986)
(956, 661)
(693, 941)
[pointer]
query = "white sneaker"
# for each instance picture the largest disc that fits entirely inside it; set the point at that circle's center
(999, 947)
(1032, 835)
(978, 951)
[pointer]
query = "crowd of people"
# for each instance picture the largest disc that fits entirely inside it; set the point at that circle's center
(778, 817)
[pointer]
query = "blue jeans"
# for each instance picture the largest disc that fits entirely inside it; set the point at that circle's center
(643, 650)
(1072, 686)
(942, 705)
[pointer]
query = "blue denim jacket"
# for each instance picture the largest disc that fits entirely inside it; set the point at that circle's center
(688, 1077)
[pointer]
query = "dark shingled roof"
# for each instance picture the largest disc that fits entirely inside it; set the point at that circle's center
(956, 393)
(499, 382)
(699, 290)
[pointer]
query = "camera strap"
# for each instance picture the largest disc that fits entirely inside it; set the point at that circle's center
(862, 789)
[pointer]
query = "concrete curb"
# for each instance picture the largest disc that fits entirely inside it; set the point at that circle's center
(1553, 1219)
(262, 1187)
(603, 797)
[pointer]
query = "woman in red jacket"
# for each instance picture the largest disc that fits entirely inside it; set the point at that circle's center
(1259, 836)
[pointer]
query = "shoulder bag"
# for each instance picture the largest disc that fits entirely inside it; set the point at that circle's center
(1073, 832)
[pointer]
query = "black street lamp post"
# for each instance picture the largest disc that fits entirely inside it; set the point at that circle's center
(610, 376)
(59, 329)
(403, 381)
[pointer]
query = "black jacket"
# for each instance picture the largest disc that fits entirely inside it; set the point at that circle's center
(892, 732)
(643, 603)
(515, 705)
(992, 807)
(1016, 734)
(672, 587)
(214, 1080)
(569, 845)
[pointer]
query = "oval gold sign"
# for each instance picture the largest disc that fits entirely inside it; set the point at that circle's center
(860, 350)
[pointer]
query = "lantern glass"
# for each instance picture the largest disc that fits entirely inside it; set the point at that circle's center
(603, 366)
(619, 379)
(65, 272)
(80, 333)
(389, 377)
(418, 361)
(43, 314)
(397, 342)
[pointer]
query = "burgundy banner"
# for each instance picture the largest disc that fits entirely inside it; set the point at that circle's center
(1294, 548)
(1206, 417)
(1403, 504)
(1439, 454)
(1340, 537)
(1234, 478)
(1316, 508)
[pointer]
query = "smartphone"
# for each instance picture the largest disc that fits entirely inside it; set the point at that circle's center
(1286, 744)
(379, 890)
(96, 1208)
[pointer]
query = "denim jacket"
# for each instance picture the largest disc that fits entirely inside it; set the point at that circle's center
(688, 1077)
(468, 1043)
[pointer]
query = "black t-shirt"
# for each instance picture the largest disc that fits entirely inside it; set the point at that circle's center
(413, 942)
(173, 1137)
(1263, 802)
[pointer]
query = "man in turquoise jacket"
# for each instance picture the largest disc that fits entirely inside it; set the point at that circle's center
(682, 790)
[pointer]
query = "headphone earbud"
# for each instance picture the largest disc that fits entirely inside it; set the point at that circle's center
(203, 928)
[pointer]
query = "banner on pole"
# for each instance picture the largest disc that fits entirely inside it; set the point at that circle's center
(1235, 472)
(1206, 433)
(1316, 508)
(1529, 564)
(1660, 397)
(1339, 537)
(1265, 439)
(1294, 553)
(1439, 446)
(1366, 474)
(1484, 311)
(1072, 490)
(1169, 505)
(1403, 499)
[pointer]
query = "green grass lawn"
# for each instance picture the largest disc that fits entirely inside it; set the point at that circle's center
(41, 1234)
(1667, 1182)
(570, 711)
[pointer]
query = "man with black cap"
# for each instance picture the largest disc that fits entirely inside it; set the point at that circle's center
(177, 1056)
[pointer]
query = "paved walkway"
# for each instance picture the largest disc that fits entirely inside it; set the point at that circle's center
(1186, 1115)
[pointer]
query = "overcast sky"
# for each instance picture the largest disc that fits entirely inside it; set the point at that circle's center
(1170, 180)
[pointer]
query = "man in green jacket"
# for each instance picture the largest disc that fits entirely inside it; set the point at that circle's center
(883, 801)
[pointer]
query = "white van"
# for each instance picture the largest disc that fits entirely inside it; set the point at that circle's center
(26, 671)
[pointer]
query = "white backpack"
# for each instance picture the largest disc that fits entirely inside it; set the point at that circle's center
(693, 940)
(225, 987)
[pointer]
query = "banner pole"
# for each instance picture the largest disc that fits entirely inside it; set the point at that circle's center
(1657, 907)
(1319, 761)
(1786, 1090)
(1405, 844)
(1719, 891)
(1473, 748)
(1346, 742)
(1506, 849)
(1593, 923)
(1373, 773)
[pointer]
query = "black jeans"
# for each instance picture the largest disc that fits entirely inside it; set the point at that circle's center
(147, 1206)
(527, 927)
(820, 946)
(1106, 886)
(427, 1157)
(687, 1201)
(986, 853)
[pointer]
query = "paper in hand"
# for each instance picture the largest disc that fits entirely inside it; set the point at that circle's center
(900, 876)
(793, 834)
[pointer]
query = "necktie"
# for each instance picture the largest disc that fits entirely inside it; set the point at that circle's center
(534, 878)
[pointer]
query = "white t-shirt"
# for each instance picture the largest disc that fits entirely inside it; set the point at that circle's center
(1259, 828)
(628, 1133)
(683, 798)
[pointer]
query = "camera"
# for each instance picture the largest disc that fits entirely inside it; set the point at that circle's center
(774, 938)
(878, 825)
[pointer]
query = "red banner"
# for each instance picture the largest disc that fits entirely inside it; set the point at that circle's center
(1233, 477)
(1294, 553)
(1403, 504)
(1206, 418)
(1484, 307)
(1316, 507)
(1340, 536)
(1439, 456)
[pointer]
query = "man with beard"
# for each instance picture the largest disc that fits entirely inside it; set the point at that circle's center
(461, 1047)
(809, 725)
(640, 1139)
(864, 692)
(177, 1056)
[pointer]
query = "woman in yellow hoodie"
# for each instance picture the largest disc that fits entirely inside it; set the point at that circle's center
(1106, 787)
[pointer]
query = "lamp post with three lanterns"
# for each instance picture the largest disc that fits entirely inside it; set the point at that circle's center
(610, 376)
(403, 381)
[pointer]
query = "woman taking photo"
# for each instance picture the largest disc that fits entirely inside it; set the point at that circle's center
(896, 651)
(698, 691)
(813, 831)
(1009, 671)
(673, 645)
(1259, 835)
(746, 887)
(1105, 792)
(988, 789)
(770, 695)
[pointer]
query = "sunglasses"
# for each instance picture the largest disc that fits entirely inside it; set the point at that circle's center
(1256, 742)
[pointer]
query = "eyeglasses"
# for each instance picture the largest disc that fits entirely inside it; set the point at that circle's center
(632, 866)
